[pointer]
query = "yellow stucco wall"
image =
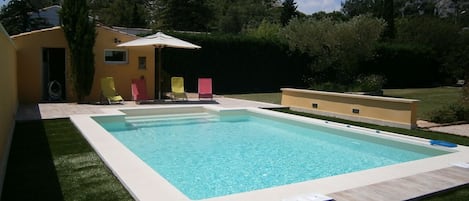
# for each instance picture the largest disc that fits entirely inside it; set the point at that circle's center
(379, 110)
(9, 98)
(29, 59)
(30, 46)
(122, 73)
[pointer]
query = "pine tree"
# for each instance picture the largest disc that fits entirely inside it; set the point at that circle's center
(80, 32)
(288, 11)
(388, 15)
(186, 15)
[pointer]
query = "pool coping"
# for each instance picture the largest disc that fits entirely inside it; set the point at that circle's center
(131, 170)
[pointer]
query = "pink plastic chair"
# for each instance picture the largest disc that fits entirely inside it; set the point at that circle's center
(205, 88)
(139, 90)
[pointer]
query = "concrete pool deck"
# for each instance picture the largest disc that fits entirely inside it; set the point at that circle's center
(64, 110)
(406, 184)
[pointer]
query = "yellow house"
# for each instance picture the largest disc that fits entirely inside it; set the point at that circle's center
(43, 57)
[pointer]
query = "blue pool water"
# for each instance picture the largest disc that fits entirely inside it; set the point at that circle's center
(209, 155)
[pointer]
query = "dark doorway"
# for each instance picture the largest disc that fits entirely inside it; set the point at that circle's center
(53, 74)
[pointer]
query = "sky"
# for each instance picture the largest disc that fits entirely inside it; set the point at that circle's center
(305, 6)
(3, 2)
(313, 6)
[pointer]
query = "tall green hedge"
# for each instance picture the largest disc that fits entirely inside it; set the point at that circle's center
(405, 66)
(243, 64)
(237, 64)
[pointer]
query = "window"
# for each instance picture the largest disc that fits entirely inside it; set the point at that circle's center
(115, 56)
(142, 63)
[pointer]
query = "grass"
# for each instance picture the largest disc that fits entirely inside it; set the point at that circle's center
(431, 99)
(50, 160)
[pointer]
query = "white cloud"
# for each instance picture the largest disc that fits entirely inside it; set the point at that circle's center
(312, 6)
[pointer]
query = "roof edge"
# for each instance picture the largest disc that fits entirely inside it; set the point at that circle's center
(114, 30)
(36, 31)
(59, 27)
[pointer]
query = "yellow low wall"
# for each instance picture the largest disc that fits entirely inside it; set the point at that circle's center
(9, 98)
(396, 112)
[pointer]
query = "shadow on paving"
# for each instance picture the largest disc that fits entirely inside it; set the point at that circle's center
(31, 174)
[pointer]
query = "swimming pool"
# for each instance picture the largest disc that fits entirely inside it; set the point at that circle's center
(283, 152)
(209, 154)
(144, 183)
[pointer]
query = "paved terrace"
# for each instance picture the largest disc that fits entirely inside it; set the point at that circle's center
(404, 188)
(64, 110)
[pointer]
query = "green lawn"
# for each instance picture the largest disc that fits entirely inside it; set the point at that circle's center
(50, 160)
(430, 98)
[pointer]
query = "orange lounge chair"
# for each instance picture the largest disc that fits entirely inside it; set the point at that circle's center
(205, 88)
(139, 90)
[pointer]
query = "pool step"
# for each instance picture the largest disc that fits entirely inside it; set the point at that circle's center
(170, 119)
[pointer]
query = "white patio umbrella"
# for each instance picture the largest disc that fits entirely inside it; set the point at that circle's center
(159, 41)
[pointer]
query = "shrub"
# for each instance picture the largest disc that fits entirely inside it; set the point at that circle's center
(328, 86)
(369, 83)
(364, 83)
(451, 113)
(465, 94)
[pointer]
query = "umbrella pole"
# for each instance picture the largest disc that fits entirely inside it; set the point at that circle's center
(159, 73)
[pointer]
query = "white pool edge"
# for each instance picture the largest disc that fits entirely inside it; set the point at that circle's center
(145, 184)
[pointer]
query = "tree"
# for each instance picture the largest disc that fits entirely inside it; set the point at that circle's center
(80, 32)
(336, 48)
(16, 16)
(185, 15)
(388, 16)
(378, 8)
(416, 8)
(354, 8)
(121, 12)
(335, 15)
(137, 17)
(288, 11)
(235, 16)
(456, 60)
(430, 31)
(266, 31)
